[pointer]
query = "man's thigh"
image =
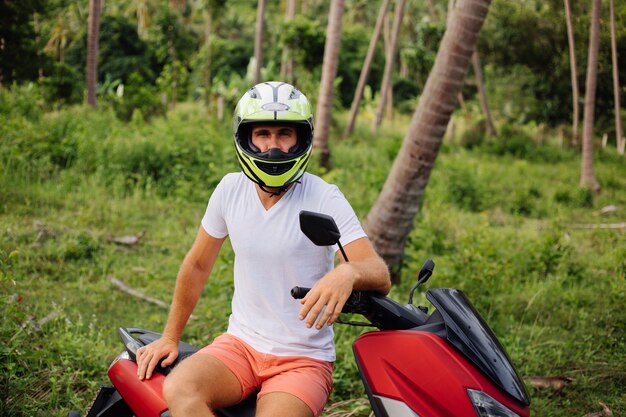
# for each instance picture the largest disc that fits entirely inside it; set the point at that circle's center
(282, 404)
(305, 381)
(207, 377)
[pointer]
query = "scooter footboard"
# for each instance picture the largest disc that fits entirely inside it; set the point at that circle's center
(144, 397)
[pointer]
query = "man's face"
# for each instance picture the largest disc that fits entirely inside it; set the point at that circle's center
(266, 137)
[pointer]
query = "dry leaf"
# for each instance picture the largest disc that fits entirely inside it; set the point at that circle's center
(606, 412)
(132, 240)
(555, 383)
(606, 210)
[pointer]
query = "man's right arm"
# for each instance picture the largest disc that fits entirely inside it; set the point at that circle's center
(192, 276)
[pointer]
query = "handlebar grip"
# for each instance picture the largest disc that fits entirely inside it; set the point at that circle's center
(299, 292)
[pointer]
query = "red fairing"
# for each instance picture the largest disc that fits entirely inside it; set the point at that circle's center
(145, 397)
(425, 372)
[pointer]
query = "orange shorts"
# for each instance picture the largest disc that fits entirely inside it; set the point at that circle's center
(308, 379)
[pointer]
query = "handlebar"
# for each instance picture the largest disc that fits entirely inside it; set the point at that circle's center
(382, 312)
(299, 292)
(358, 302)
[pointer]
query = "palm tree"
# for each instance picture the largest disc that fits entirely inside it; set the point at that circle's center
(391, 57)
(66, 25)
(142, 11)
(587, 176)
(482, 94)
(391, 218)
(59, 39)
(620, 139)
(572, 64)
(92, 50)
(258, 41)
(358, 94)
(286, 62)
(327, 84)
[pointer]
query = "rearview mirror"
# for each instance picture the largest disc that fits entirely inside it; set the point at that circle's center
(321, 229)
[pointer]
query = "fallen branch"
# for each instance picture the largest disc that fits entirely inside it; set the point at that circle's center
(138, 294)
(599, 226)
(32, 324)
(39, 324)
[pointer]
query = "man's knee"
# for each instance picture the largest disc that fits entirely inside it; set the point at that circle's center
(171, 388)
(201, 380)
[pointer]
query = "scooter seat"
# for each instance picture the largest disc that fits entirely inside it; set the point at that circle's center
(184, 350)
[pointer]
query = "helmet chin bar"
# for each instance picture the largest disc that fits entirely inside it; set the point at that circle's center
(278, 190)
(275, 154)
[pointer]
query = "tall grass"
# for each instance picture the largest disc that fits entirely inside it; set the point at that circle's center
(497, 223)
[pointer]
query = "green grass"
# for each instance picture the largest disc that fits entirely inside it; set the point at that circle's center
(497, 223)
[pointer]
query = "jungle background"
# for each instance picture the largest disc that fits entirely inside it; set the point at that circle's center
(100, 190)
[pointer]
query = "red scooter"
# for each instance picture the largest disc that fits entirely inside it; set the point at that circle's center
(446, 364)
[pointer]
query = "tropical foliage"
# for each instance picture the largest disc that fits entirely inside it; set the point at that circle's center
(503, 216)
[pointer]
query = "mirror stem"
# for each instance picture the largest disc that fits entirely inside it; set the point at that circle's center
(343, 253)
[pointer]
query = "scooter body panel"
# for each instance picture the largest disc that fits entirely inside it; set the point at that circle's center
(144, 397)
(421, 370)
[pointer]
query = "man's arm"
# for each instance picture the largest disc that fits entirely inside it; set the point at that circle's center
(192, 276)
(365, 271)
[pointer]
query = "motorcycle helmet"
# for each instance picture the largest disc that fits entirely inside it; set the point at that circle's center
(273, 103)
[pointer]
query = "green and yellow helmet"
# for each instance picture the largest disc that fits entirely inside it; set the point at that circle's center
(273, 103)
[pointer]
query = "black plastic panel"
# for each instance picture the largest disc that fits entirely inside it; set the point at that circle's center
(468, 332)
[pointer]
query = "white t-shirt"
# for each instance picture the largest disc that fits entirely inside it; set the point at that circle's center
(272, 255)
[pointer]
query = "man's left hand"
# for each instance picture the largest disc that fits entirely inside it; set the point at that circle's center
(324, 302)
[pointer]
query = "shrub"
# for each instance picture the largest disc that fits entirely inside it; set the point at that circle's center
(524, 202)
(63, 85)
(137, 94)
(574, 197)
(464, 189)
(21, 100)
(474, 135)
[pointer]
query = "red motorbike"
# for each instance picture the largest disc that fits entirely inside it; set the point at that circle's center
(445, 364)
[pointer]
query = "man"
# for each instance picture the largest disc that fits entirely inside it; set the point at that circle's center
(274, 344)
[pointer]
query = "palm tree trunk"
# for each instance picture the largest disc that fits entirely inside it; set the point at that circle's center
(92, 50)
(478, 74)
(620, 139)
(367, 65)
(327, 84)
(587, 177)
(258, 41)
(390, 220)
(286, 62)
(37, 46)
(572, 64)
(208, 34)
(387, 75)
(460, 98)
(432, 10)
(435, 18)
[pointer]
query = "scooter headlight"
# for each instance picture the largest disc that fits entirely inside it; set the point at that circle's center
(486, 406)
